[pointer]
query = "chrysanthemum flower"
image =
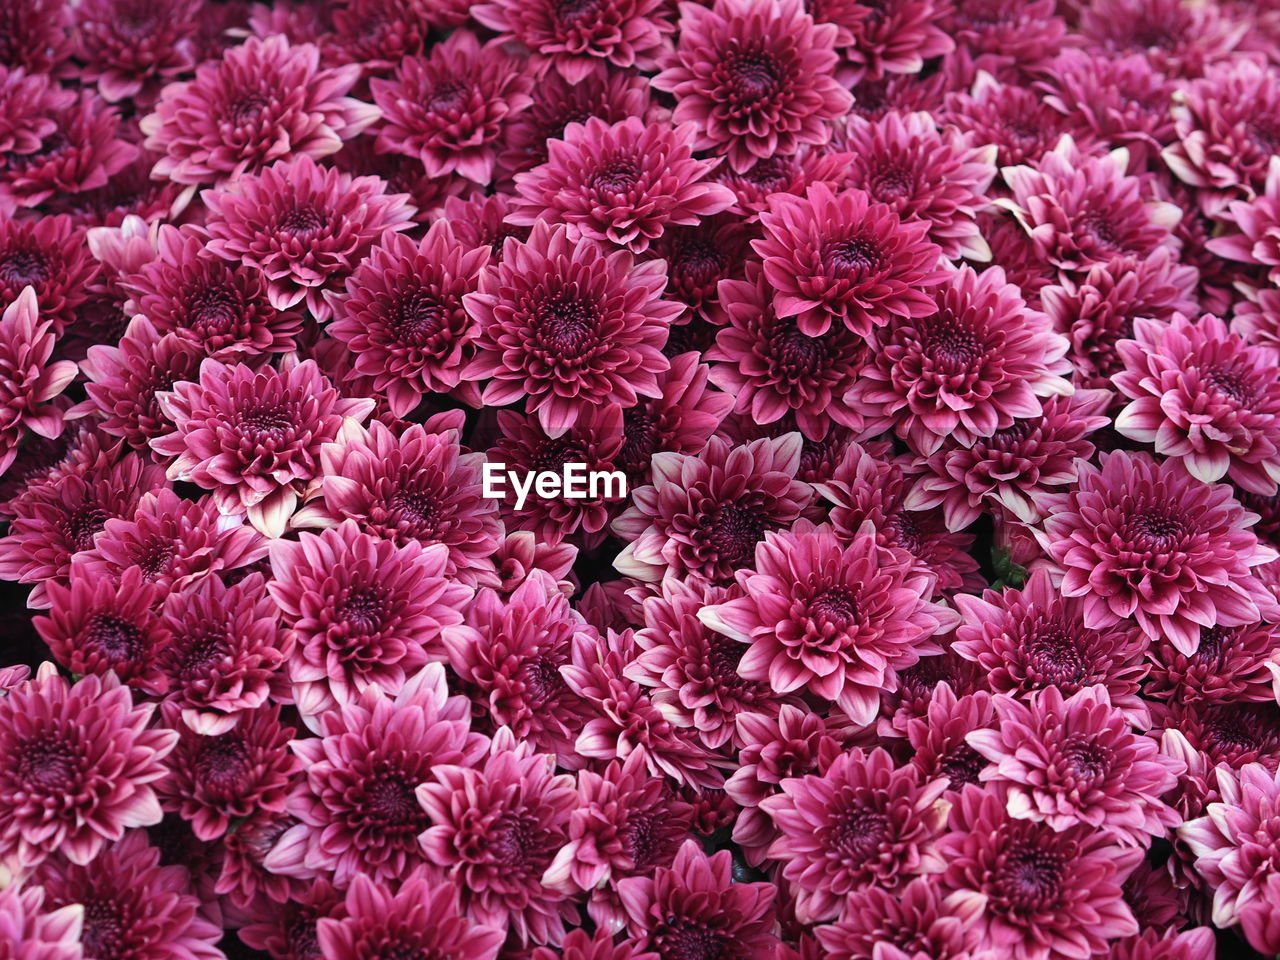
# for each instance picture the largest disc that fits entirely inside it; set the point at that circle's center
(570, 326)
(422, 918)
(842, 257)
(1033, 638)
(1014, 119)
(221, 307)
(1234, 734)
(696, 904)
(940, 177)
(1013, 469)
(378, 34)
(403, 174)
(364, 611)
(242, 876)
(410, 485)
(981, 361)
(622, 183)
(861, 822)
(481, 221)
(226, 652)
(757, 78)
(1004, 38)
(304, 226)
(253, 437)
(756, 185)
(580, 945)
(509, 664)
(698, 258)
(449, 108)
(1203, 396)
(133, 906)
(29, 380)
(402, 316)
(290, 930)
(130, 46)
(1195, 944)
(915, 923)
(835, 620)
(884, 38)
(1081, 211)
(1047, 894)
(495, 830)
(33, 34)
(1179, 39)
(78, 767)
(49, 255)
(938, 737)
(1257, 237)
(705, 513)
(772, 367)
(217, 779)
(259, 102)
(1229, 666)
(1077, 761)
(29, 930)
(1144, 541)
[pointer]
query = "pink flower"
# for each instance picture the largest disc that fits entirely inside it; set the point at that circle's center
(834, 619)
(569, 325)
(33, 34)
(1145, 541)
(938, 737)
(915, 923)
(1014, 119)
(1195, 944)
(1205, 397)
(1230, 665)
(253, 438)
(125, 64)
(792, 175)
(879, 38)
(304, 226)
(257, 103)
(50, 256)
(449, 108)
(1178, 40)
(1258, 223)
(78, 766)
(365, 612)
(30, 931)
(29, 380)
(495, 830)
(1005, 38)
(861, 823)
(755, 77)
(842, 257)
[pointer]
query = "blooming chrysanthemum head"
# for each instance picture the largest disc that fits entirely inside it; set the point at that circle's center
(449, 109)
(29, 379)
(304, 226)
(1229, 666)
(756, 77)
(623, 183)
(794, 175)
(570, 326)
(1004, 38)
(29, 930)
(1013, 118)
(844, 258)
(835, 620)
(402, 174)
(402, 315)
(1179, 39)
(1194, 944)
(1145, 541)
(262, 101)
(378, 34)
(129, 47)
(33, 34)
(915, 923)
(882, 39)
(79, 764)
(49, 255)
(938, 737)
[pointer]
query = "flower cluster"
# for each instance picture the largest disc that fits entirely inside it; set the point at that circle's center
(639, 480)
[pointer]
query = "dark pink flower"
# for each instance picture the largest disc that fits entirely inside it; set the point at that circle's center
(757, 78)
(495, 830)
(569, 325)
(1005, 38)
(253, 437)
(705, 513)
(1258, 224)
(1014, 119)
(242, 876)
(49, 255)
(257, 103)
(449, 108)
(289, 932)
(29, 378)
(129, 47)
(904, 92)
(378, 34)
(842, 257)
(33, 34)
(304, 226)
(860, 823)
(365, 612)
(695, 905)
(422, 918)
(78, 767)
(1178, 39)
(1203, 396)
(938, 737)
(1229, 666)
(403, 174)
(1195, 944)
(402, 316)
(580, 945)
(880, 38)
(1140, 540)
(831, 618)
(1045, 894)
(698, 258)
(915, 923)
(793, 175)
(30, 931)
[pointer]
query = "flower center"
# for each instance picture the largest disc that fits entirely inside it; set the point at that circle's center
(1096, 224)
(155, 557)
(734, 533)
(1158, 530)
(84, 523)
(21, 268)
(203, 646)
(542, 681)
(118, 639)
(248, 107)
(216, 309)
(1264, 132)
(47, 765)
(223, 762)
(953, 350)
(447, 96)
(753, 77)
(859, 834)
(640, 438)
(512, 842)
(301, 222)
(566, 324)
(855, 255)
(617, 175)
(1086, 760)
(103, 933)
(687, 939)
(1230, 384)
(698, 263)
(835, 606)
(962, 765)
(798, 355)
(769, 174)
(1053, 655)
(417, 506)
(391, 801)
(364, 609)
(419, 319)
(1030, 879)
(890, 185)
(266, 424)
(570, 12)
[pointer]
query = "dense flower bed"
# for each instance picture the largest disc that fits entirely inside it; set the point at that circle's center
(936, 343)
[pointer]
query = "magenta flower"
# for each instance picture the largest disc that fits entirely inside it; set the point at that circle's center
(569, 325)
(623, 183)
(304, 226)
(257, 103)
(1015, 119)
(33, 34)
(705, 513)
(1194, 944)
(359, 817)
(755, 77)
(1178, 40)
(938, 737)
(495, 830)
(449, 108)
(1205, 397)
(253, 438)
(28, 930)
(131, 46)
(50, 256)
(1258, 223)
(915, 923)
(1144, 541)
(1231, 665)
(834, 619)
(378, 34)
(79, 764)
(861, 823)
(365, 612)
(1004, 38)
(29, 379)
(884, 39)
(842, 257)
